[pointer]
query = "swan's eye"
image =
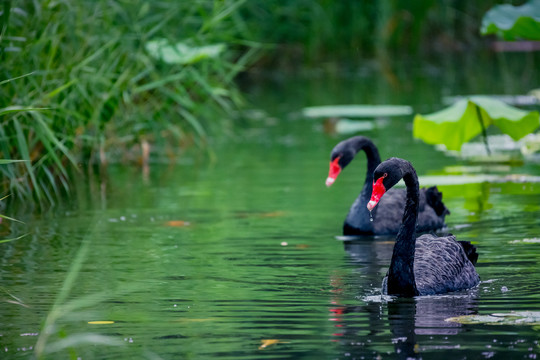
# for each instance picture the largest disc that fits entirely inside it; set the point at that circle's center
(385, 175)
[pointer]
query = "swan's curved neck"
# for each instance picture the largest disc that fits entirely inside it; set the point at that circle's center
(401, 279)
(373, 158)
(358, 216)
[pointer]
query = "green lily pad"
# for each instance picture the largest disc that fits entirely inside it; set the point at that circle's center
(460, 122)
(347, 126)
(511, 318)
(181, 52)
(526, 241)
(353, 111)
(513, 22)
(431, 180)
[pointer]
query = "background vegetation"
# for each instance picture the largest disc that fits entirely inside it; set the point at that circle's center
(79, 89)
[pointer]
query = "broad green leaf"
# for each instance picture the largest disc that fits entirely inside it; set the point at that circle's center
(356, 111)
(513, 22)
(182, 53)
(511, 318)
(459, 123)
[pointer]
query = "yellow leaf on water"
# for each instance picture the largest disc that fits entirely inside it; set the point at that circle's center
(268, 342)
(101, 322)
(177, 223)
(271, 214)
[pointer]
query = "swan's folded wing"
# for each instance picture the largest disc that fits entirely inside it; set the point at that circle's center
(441, 265)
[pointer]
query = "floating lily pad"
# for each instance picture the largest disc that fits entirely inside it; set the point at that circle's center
(356, 111)
(512, 318)
(432, 180)
(513, 22)
(526, 241)
(181, 52)
(515, 100)
(346, 126)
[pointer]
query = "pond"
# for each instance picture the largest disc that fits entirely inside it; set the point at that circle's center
(240, 258)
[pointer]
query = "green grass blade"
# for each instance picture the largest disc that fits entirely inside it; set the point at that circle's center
(9, 240)
(9, 161)
(16, 78)
(17, 109)
(25, 154)
(11, 219)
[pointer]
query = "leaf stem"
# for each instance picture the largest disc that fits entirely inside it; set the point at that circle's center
(484, 134)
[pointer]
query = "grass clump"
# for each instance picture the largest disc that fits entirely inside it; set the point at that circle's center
(82, 89)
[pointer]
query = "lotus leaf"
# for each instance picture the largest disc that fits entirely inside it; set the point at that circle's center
(181, 52)
(513, 22)
(463, 120)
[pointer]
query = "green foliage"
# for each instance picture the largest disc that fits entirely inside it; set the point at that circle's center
(83, 88)
(51, 338)
(313, 31)
(460, 122)
(513, 22)
(181, 53)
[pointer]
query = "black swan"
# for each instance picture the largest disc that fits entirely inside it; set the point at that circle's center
(429, 264)
(387, 218)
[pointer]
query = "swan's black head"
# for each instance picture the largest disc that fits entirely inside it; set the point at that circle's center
(342, 155)
(386, 175)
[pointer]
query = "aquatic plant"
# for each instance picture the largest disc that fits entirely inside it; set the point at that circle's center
(89, 91)
(513, 22)
(52, 337)
(471, 116)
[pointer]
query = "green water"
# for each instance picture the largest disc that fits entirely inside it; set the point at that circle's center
(209, 260)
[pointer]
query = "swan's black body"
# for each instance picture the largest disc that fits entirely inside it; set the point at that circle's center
(387, 215)
(429, 264)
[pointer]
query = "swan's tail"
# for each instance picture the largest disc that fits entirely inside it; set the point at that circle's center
(434, 199)
(470, 250)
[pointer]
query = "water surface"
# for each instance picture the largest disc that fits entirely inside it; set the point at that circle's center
(238, 258)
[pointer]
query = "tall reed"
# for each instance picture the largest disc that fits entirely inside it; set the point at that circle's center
(79, 87)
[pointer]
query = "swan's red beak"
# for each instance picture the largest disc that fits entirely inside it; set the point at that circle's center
(376, 194)
(334, 171)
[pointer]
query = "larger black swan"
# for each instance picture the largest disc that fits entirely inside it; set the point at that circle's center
(429, 264)
(386, 219)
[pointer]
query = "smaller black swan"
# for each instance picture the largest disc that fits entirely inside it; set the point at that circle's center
(387, 218)
(429, 264)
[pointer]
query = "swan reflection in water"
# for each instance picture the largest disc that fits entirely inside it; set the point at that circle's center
(363, 330)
